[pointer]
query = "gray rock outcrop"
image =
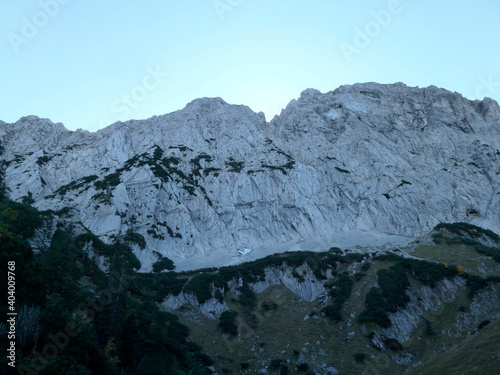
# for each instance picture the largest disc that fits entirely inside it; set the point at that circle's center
(385, 158)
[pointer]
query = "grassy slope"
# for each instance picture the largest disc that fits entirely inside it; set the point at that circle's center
(284, 334)
(281, 333)
(464, 255)
(478, 354)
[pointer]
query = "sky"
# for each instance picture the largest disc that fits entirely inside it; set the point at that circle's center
(91, 63)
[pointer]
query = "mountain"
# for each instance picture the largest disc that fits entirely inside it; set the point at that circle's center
(201, 183)
(410, 175)
(429, 308)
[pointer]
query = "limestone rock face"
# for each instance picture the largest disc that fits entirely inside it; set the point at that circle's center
(309, 288)
(382, 158)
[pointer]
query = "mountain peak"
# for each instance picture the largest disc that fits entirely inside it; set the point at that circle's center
(40, 122)
(213, 178)
(310, 93)
(207, 103)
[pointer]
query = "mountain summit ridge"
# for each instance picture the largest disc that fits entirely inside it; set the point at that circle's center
(364, 157)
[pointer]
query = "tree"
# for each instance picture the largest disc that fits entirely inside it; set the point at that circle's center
(375, 309)
(163, 264)
(40, 242)
(227, 323)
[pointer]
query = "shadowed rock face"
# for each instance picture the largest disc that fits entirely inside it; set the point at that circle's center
(387, 158)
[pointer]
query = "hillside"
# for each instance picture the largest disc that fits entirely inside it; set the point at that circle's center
(351, 312)
(358, 311)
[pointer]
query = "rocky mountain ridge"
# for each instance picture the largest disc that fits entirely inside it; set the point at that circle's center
(366, 157)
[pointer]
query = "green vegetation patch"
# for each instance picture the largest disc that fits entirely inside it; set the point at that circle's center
(467, 230)
(282, 168)
(359, 357)
(375, 309)
(110, 180)
(208, 171)
(392, 295)
(476, 283)
(121, 329)
(394, 282)
(393, 285)
(163, 264)
(153, 232)
(494, 252)
(181, 148)
(428, 273)
(340, 291)
(76, 185)
(196, 166)
(43, 159)
(159, 285)
(317, 262)
(247, 297)
(235, 166)
(136, 238)
(201, 285)
(227, 324)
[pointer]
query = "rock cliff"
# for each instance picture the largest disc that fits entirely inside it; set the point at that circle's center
(370, 157)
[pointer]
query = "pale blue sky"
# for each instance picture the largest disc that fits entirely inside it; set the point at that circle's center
(90, 63)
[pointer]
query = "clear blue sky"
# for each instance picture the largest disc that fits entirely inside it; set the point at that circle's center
(90, 63)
